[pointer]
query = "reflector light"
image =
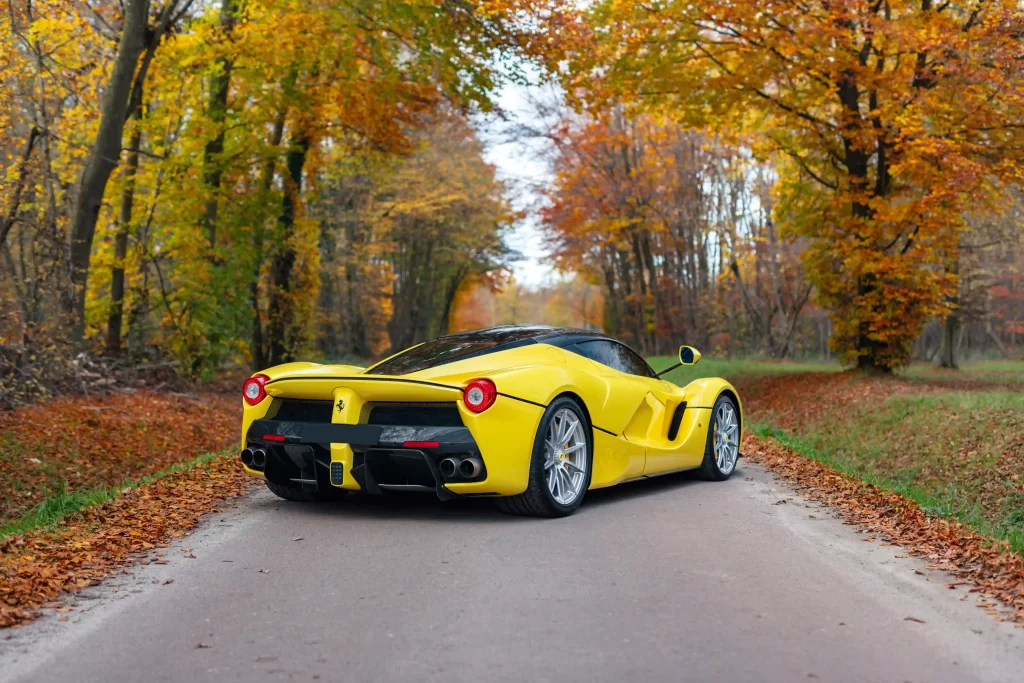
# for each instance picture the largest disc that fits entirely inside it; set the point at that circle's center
(253, 391)
(273, 437)
(479, 395)
(421, 444)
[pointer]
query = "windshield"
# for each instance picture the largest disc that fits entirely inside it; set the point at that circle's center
(457, 347)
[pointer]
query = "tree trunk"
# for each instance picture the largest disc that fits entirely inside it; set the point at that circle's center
(217, 108)
(105, 154)
(121, 240)
(948, 341)
(355, 288)
(454, 282)
(257, 343)
(19, 185)
(280, 328)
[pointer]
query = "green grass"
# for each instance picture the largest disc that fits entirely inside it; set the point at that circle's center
(987, 371)
(953, 447)
(735, 369)
(955, 453)
(58, 506)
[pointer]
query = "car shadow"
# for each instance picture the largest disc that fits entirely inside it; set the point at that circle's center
(426, 507)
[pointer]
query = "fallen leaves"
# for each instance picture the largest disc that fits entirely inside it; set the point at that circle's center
(36, 567)
(95, 441)
(996, 571)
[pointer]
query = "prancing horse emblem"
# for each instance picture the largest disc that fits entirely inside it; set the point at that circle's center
(341, 404)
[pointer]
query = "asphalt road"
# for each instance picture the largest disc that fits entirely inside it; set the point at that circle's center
(664, 580)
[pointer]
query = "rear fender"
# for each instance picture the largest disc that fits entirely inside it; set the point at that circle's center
(704, 392)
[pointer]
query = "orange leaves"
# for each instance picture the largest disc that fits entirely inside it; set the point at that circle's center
(996, 571)
(886, 122)
(96, 441)
(36, 567)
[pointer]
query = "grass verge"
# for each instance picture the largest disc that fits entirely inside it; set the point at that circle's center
(40, 564)
(948, 504)
(958, 453)
(60, 451)
(992, 571)
(734, 370)
(58, 506)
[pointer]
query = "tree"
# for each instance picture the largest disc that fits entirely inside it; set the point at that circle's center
(892, 117)
(676, 225)
(138, 43)
(411, 237)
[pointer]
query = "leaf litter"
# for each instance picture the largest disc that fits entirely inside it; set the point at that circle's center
(38, 566)
(77, 442)
(996, 571)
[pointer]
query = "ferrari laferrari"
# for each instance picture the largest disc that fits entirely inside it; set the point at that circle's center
(532, 416)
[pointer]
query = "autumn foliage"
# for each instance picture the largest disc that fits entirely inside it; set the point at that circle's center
(887, 122)
(263, 180)
(192, 210)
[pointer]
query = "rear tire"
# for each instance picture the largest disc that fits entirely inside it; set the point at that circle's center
(538, 499)
(300, 495)
(722, 450)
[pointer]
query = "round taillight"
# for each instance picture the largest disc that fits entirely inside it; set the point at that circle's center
(479, 395)
(253, 391)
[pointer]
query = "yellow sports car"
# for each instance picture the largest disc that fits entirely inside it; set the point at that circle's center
(533, 416)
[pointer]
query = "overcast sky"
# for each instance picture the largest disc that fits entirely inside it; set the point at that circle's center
(523, 163)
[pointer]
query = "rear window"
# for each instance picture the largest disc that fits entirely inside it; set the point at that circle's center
(456, 347)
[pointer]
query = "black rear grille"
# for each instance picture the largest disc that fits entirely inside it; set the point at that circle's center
(415, 415)
(300, 410)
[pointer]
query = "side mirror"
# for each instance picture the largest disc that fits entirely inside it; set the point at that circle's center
(688, 355)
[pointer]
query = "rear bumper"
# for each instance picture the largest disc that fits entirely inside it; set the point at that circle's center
(384, 458)
(503, 436)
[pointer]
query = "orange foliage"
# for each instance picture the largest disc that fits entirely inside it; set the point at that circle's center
(85, 442)
(887, 122)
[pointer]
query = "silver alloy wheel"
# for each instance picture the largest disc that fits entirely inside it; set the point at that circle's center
(565, 456)
(727, 445)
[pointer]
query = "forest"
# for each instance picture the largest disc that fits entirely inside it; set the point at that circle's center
(213, 184)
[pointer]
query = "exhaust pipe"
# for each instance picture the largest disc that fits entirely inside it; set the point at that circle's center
(259, 458)
(247, 457)
(448, 467)
(470, 467)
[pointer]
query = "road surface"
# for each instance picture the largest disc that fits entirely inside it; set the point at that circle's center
(664, 580)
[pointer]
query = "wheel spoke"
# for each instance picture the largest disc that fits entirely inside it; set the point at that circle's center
(569, 432)
(572, 449)
(571, 464)
(570, 488)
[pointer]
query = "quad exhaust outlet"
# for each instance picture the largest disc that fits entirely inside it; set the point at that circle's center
(470, 467)
(255, 458)
(449, 466)
(461, 468)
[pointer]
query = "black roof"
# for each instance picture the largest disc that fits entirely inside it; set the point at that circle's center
(463, 345)
(510, 333)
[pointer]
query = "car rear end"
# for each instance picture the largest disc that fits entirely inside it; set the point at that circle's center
(449, 433)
